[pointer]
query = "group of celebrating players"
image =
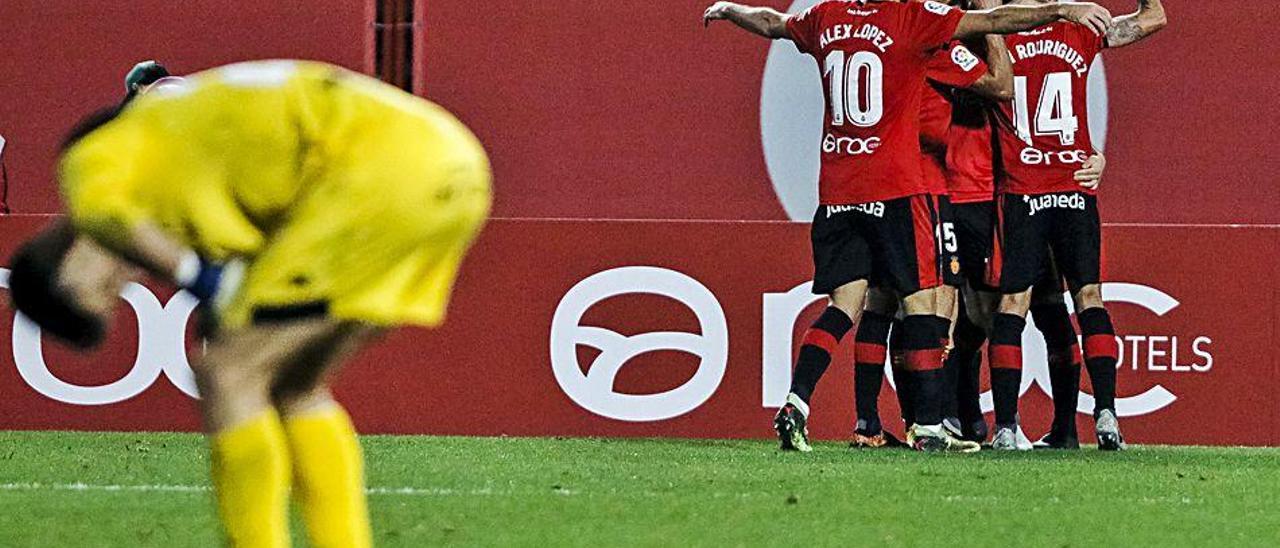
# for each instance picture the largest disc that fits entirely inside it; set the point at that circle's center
(957, 195)
(308, 209)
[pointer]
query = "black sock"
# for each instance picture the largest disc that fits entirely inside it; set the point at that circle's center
(819, 343)
(1101, 352)
(1005, 355)
(870, 351)
(902, 381)
(906, 392)
(1065, 380)
(922, 342)
(1054, 322)
(966, 359)
(947, 399)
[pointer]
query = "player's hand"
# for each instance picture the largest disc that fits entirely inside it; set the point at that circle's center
(1096, 17)
(985, 4)
(1090, 174)
(717, 11)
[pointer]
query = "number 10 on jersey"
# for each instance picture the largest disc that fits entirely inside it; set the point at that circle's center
(856, 87)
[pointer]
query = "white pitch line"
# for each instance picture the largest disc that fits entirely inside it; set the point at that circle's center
(487, 492)
(373, 491)
(89, 487)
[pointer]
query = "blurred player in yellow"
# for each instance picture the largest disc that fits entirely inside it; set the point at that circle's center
(308, 207)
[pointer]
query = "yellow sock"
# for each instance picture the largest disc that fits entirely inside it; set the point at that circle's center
(329, 476)
(251, 480)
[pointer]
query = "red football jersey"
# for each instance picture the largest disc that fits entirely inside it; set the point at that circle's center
(955, 66)
(1044, 132)
(970, 151)
(873, 57)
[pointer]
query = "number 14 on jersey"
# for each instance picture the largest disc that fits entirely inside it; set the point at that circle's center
(1055, 111)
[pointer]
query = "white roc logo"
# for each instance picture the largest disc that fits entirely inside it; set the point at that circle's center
(594, 389)
(161, 349)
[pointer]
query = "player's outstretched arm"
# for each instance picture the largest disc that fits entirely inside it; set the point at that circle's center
(1129, 29)
(764, 22)
(1011, 19)
(997, 83)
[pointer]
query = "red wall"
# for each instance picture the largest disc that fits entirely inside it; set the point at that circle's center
(613, 110)
(495, 360)
(64, 58)
(624, 110)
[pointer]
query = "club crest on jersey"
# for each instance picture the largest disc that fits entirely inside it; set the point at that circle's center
(1056, 201)
(934, 7)
(964, 58)
(955, 265)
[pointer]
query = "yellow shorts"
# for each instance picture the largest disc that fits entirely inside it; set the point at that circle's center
(377, 237)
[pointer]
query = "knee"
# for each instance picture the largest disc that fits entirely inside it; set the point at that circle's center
(222, 381)
(920, 303)
(850, 298)
(299, 389)
(947, 300)
(1089, 296)
(849, 309)
(1017, 303)
(296, 400)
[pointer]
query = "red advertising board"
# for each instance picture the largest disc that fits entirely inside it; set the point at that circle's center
(66, 58)
(682, 329)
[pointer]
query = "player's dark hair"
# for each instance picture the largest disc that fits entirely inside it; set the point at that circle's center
(33, 289)
(89, 124)
(142, 74)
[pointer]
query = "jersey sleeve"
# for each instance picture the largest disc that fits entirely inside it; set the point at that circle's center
(1088, 43)
(931, 25)
(805, 28)
(110, 188)
(956, 66)
(96, 186)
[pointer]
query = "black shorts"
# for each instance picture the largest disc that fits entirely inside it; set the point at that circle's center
(889, 244)
(949, 244)
(1039, 232)
(975, 224)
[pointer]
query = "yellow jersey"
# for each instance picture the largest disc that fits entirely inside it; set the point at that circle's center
(221, 160)
(301, 169)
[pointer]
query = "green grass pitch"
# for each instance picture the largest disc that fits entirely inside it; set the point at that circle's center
(79, 489)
